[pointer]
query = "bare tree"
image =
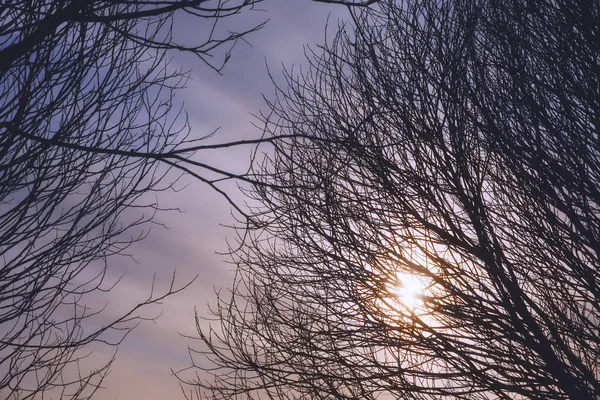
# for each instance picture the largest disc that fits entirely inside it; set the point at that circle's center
(86, 114)
(88, 128)
(432, 229)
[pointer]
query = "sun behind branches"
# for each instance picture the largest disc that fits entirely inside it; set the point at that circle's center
(410, 290)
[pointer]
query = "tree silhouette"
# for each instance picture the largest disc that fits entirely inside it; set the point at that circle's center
(88, 125)
(453, 144)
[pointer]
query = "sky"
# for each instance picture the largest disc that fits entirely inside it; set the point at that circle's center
(192, 238)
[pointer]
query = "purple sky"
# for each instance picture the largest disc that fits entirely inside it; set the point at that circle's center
(142, 369)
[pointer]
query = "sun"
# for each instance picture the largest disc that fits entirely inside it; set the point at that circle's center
(407, 299)
(410, 290)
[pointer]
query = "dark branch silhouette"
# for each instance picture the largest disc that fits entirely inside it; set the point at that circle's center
(451, 143)
(88, 128)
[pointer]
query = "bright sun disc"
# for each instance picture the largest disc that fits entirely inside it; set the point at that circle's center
(410, 290)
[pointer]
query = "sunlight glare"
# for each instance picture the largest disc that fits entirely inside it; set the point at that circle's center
(410, 290)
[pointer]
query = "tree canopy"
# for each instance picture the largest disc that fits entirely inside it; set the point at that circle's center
(89, 127)
(432, 225)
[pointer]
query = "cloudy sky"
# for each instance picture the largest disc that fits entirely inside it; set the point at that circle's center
(142, 368)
